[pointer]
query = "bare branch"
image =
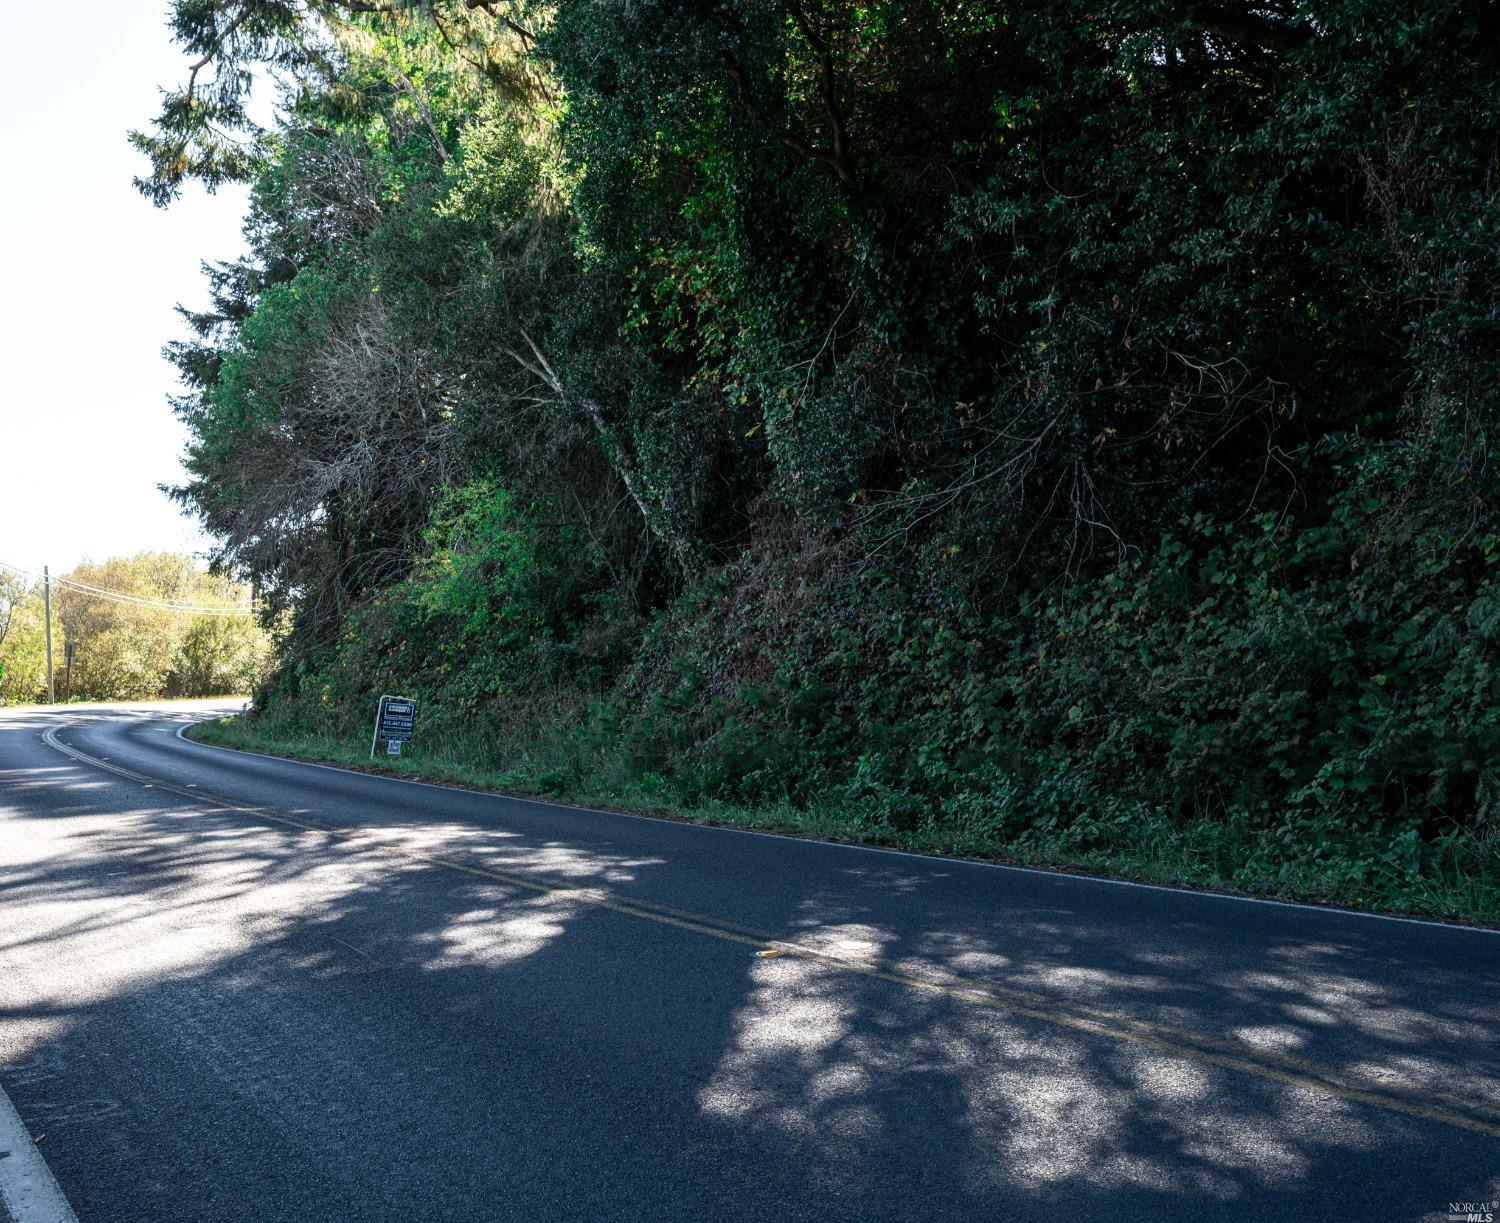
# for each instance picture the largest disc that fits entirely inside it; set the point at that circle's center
(213, 52)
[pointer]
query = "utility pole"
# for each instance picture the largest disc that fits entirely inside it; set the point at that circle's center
(47, 601)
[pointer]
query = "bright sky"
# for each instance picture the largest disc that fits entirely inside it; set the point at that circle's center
(89, 273)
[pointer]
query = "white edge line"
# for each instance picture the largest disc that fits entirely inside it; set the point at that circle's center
(1208, 893)
(27, 1186)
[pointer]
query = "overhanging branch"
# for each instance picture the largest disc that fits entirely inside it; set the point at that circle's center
(1241, 26)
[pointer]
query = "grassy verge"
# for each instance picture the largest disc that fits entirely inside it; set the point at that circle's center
(1146, 847)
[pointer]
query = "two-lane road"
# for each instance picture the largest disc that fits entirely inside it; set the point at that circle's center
(233, 987)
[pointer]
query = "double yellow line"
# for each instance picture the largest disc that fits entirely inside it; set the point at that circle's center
(1478, 1115)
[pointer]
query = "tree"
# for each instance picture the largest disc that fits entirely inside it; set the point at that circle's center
(12, 593)
(204, 130)
(23, 657)
(132, 644)
(661, 353)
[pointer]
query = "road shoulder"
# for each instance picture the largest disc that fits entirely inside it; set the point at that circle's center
(1092, 875)
(29, 1192)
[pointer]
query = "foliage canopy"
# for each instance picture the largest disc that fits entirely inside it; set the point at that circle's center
(1040, 411)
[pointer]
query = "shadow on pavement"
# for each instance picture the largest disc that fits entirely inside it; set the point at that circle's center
(207, 1016)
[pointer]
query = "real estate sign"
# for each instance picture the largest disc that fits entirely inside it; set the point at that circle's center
(395, 722)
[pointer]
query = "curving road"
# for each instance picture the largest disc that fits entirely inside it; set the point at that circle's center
(238, 988)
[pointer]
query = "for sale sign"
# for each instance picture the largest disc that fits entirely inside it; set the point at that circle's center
(395, 722)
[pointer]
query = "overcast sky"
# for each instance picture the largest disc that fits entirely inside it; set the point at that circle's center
(89, 273)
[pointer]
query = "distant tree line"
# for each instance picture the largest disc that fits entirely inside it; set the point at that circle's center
(127, 643)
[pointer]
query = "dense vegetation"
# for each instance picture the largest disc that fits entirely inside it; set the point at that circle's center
(131, 638)
(1062, 431)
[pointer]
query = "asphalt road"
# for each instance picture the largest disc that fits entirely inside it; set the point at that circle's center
(234, 988)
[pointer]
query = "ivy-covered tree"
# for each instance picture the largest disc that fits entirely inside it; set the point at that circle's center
(776, 365)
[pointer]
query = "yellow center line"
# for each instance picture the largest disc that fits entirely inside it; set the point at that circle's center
(1427, 1104)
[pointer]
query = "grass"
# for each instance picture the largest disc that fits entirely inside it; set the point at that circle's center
(1146, 847)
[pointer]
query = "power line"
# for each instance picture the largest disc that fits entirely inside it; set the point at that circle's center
(135, 600)
(120, 596)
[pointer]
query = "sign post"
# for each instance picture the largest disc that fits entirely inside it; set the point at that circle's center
(395, 722)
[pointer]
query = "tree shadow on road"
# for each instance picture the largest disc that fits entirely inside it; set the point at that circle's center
(212, 1016)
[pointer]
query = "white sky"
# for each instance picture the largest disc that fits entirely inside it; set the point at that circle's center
(89, 273)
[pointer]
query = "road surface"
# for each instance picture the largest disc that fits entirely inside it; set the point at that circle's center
(236, 988)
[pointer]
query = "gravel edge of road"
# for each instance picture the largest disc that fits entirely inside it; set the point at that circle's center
(29, 1193)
